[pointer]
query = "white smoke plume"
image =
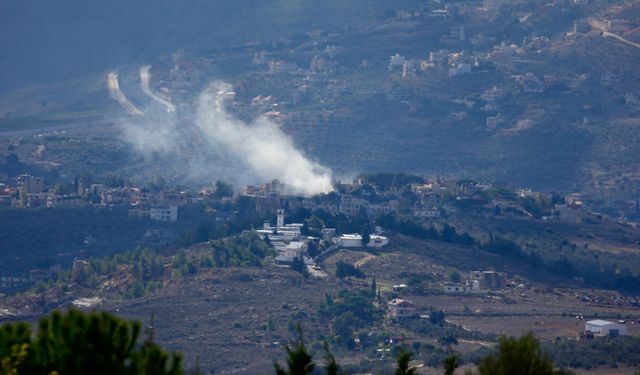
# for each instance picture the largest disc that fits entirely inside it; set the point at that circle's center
(145, 76)
(214, 144)
(261, 145)
(116, 94)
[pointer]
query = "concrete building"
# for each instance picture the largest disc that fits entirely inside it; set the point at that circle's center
(488, 279)
(604, 328)
(29, 184)
(66, 201)
(165, 213)
(459, 69)
(350, 240)
(10, 282)
(401, 308)
(377, 241)
(40, 274)
(355, 240)
(428, 212)
(454, 288)
(282, 231)
(396, 61)
(288, 253)
(169, 213)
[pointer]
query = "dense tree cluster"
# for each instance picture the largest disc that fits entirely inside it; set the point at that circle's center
(411, 228)
(347, 312)
(344, 269)
(146, 267)
(388, 181)
(239, 251)
(519, 356)
(601, 351)
(522, 356)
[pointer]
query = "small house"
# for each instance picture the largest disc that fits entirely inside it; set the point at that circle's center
(401, 308)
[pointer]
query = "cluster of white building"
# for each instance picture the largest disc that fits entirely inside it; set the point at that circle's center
(477, 282)
(287, 239)
(290, 243)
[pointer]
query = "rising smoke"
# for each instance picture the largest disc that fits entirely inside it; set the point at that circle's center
(213, 144)
(261, 145)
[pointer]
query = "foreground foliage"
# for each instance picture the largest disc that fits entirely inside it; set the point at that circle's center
(79, 343)
(75, 342)
(600, 351)
(514, 356)
(240, 251)
(519, 356)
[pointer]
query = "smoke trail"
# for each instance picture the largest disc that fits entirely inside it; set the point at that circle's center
(117, 95)
(145, 76)
(265, 150)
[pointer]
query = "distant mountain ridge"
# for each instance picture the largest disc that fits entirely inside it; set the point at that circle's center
(46, 41)
(528, 93)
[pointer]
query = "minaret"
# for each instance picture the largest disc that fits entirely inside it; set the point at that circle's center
(280, 219)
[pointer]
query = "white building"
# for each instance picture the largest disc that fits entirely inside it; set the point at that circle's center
(459, 69)
(282, 231)
(377, 241)
(428, 212)
(605, 328)
(396, 61)
(454, 288)
(288, 253)
(355, 240)
(350, 240)
(169, 213)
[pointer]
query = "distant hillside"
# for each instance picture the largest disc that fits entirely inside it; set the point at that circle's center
(45, 41)
(541, 94)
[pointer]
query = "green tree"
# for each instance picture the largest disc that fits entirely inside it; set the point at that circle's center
(402, 360)
(223, 189)
(450, 364)
(344, 269)
(342, 329)
(299, 361)
(313, 226)
(331, 366)
(454, 276)
(447, 341)
(79, 343)
(299, 266)
(436, 317)
(9, 365)
(366, 237)
(522, 356)
(313, 249)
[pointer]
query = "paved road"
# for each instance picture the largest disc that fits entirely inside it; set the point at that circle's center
(116, 94)
(605, 33)
(145, 76)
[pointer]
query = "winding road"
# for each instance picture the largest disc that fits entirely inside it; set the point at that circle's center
(145, 76)
(117, 95)
(605, 33)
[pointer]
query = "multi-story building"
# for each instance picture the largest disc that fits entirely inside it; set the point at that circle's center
(29, 184)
